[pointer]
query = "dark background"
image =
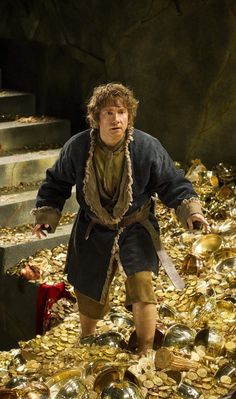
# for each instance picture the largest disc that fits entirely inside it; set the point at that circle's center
(179, 57)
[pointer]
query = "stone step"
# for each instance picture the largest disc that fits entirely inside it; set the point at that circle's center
(15, 103)
(26, 168)
(15, 208)
(18, 304)
(11, 253)
(18, 135)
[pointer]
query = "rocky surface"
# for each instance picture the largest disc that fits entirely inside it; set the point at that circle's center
(179, 57)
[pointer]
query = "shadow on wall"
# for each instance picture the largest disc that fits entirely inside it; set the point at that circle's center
(50, 73)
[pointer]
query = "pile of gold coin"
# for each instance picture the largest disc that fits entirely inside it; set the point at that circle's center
(197, 324)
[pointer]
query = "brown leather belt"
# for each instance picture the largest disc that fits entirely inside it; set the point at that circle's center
(138, 216)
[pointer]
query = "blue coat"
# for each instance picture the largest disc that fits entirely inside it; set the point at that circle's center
(152, 172)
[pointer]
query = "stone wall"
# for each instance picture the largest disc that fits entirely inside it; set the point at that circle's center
(178, 56)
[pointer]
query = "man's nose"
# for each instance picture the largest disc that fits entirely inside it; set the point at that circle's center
(116, 117)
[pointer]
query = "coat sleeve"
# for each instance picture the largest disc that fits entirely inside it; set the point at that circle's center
(57, 186)
(169, 182)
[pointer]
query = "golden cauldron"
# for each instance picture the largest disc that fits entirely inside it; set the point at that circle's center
(206, 245)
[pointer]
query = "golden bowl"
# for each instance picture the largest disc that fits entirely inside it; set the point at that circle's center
(111, 374)
(211, 339)
(167, 314)
(180, 336)
(223, 253)
(226, 310)
(192, 264)
(73, 388)
(120, 319)
(73, 377)
(206, 245)
(202, 310)
(96, 366)
(226, 265)
(110, 338)
(63, 376)
(122, 390)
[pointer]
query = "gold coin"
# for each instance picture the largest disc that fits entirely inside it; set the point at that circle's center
(202, 372)
(192, 376)
(163, 376)
(206, 386)
(163, 395)
(148, 384)
(157, 381)
(230, 346)
(225, 379)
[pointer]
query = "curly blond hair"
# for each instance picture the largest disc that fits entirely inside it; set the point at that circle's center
(110, 94)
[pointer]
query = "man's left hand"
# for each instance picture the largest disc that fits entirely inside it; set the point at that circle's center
(197, 217)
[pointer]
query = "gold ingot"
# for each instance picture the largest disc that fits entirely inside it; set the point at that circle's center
(206, 245)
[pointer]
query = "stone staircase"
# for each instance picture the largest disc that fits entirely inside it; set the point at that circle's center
(28, 146)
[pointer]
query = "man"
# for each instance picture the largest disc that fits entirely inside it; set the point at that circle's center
(116, 169)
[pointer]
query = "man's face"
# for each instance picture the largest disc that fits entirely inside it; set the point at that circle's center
(113, 122)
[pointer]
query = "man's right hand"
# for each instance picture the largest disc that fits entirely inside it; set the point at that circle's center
(38, 230)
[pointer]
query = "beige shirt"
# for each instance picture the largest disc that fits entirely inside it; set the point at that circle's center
(109, 164)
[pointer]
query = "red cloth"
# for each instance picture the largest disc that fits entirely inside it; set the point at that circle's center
(47, 296)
